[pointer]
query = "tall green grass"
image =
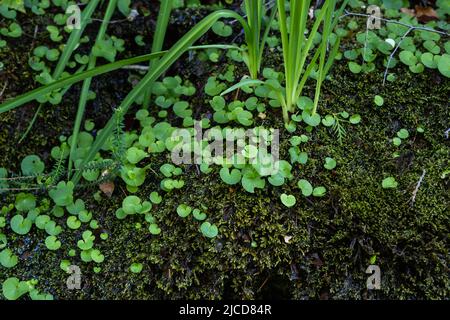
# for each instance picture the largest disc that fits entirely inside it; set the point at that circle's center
(297, 45)
(158, 39)
(255, 10)
(87, 84)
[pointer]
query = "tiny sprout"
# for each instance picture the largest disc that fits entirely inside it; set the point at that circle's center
(403, 134)
(93, 224)
(87, 242)
(20, 225)
(25, 202)
(62, 194)
(134, 155)
(64, 265)
(288, 200)
(104, 236)
(330, 163)
(154, 229)
(136, 267)
(198, 215)
(73, 222)
(183, 210)
(32, 165)
(319, 191)
(355, 119)
(306, 187)
(222, 29)
(209, 230)
(155, 197)
(52, 243)
(97, 256)
(8, 259)
(396, 141)
(378, 100)
(132, 205)
(230, 178)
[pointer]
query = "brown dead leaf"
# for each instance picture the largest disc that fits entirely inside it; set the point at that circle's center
(425, 14)
(107, 188)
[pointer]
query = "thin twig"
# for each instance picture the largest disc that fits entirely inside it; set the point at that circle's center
(413, 199)
(393, 52)
(3, 89)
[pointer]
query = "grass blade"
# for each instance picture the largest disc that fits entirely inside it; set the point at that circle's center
(72, 42)
(77, 77)
(159, 35)
(164, 63)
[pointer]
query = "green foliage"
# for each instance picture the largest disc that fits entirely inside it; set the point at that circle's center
(222, 29)
(13, 289)
(8, 259)
(378, 100)
(389, 183)
(330, 163)
(184, 210)
(87, 241)
(32, 165)
(319, 191)
(288, 200)
(21, 225)
(306, 187)
(52, 243)
(136, 267)
(209, 230)
(25, 202)
(62, 195)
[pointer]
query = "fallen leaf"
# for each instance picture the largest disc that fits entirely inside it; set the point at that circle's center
(425, 14)
(107, 188)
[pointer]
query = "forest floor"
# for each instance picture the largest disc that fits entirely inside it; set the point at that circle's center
(318, 249)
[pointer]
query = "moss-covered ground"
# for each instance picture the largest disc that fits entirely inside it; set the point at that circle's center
(319, 248)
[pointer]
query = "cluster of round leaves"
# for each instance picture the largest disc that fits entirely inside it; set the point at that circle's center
(208, 229)
(418, 49)
(132, 205)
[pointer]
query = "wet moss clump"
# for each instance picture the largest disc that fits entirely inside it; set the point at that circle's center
(318, 249)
